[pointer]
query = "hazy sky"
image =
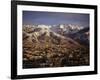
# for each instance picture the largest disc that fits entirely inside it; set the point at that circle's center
(53, 18)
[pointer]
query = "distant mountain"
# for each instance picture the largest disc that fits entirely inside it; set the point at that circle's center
(43, 33)
(75, 32)
(66, 28)
(81, 36)
(65, 32)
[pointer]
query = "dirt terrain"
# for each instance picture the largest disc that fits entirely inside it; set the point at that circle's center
(45, 48)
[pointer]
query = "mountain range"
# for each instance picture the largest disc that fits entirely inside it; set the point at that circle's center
(67, 33)
(55, 45)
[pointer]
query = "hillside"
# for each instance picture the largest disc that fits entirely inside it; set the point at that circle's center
(46, 47)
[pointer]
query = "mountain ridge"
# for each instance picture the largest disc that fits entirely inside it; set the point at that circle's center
(44, 47)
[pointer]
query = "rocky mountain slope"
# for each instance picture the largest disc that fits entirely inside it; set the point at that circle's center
(49, 46)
